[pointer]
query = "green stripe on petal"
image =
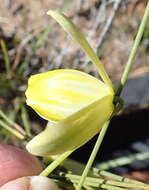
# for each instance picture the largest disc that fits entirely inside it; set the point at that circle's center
(58, 94)
(74, 131)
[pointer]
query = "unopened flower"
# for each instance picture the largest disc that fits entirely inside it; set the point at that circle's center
(75, 103)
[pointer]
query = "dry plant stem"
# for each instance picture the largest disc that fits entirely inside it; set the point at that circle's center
(10, 122)
(108, 24)
(12, 131)
(106, 28)
(22, 45)
(121, 85)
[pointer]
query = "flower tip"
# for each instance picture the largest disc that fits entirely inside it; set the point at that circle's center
(30, 147)
(49, 12)
(27, 102)
(36, 145)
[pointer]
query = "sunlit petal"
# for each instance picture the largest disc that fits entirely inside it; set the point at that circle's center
(58, 94)
(74, 131)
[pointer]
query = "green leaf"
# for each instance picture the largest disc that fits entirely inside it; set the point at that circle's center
(75, 33)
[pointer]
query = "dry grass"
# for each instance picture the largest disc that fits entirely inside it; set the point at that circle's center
(28, 19)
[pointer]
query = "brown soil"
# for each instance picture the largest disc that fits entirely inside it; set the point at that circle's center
(28, 19)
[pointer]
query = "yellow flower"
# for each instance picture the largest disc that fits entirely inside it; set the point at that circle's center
(75, 103)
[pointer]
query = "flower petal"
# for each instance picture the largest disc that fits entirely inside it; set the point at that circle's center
(58, 94)
(74, 131)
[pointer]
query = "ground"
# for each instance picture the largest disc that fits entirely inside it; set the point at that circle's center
(28, 19)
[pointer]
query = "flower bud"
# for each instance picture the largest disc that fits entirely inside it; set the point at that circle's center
(57, 94)
(78, 103)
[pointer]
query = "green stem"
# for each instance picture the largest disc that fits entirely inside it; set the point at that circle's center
(96, 182)
(133, 51)
(93, 155)
(118, 178)
(122, 161)
(55, 163)
(52, 166)
(110, 187)
(97, 185)
(119, 90)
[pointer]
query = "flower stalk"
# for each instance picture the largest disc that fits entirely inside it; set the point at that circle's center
(132, 55)
(54, 164)
(93, 154)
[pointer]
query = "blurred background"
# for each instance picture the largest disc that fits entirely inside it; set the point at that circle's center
(32, 42)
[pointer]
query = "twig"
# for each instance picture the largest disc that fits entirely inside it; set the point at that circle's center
(7, 4)
(108, 24)
(78, 6)
(100, 18)
(106, 29)
(10, 122)
(22, 46)
(13, 131)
